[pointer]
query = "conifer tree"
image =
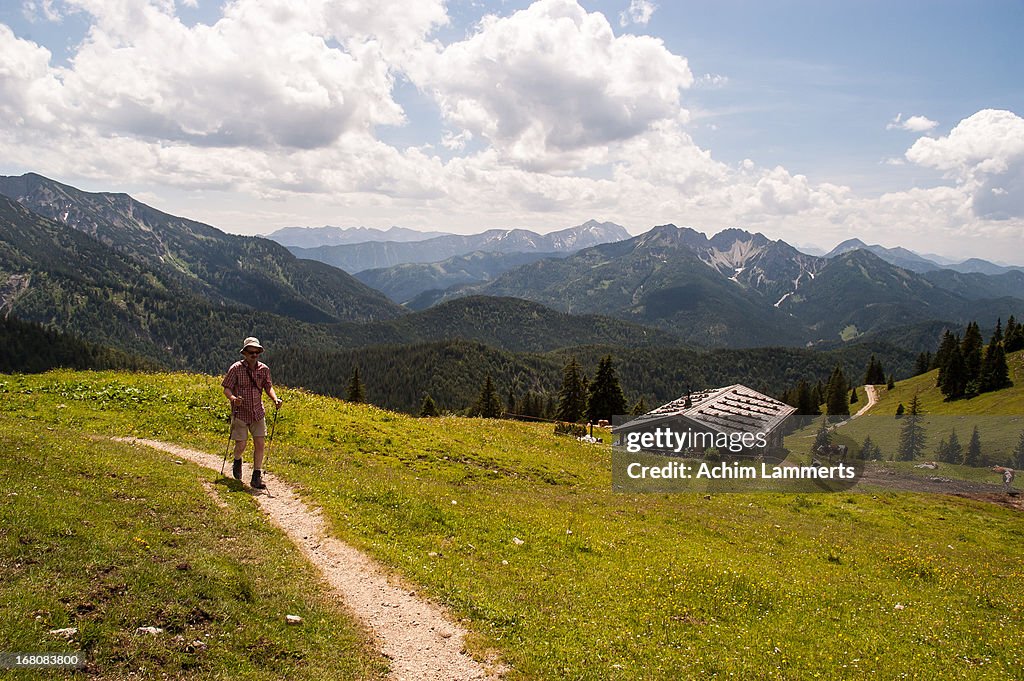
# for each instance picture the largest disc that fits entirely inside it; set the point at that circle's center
(973, 455)
(951, 451)
(355, 392)
(953, 375)
(572, 398)
(949, 341)
(835, 394)
(639, 408)
(971, 348)
(923, 364)
(822, 438)
(605, 397)
(805, 402)
(1018, 452)
(869, 451)
(818, 396)
(875, 373)
(912, 436)
(900, 409)
(891, 383)
(853, 395)
(488, 405)
(995, 374)
(1013, 337)
(428, 408)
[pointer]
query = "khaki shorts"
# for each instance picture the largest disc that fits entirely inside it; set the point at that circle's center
(240, 429)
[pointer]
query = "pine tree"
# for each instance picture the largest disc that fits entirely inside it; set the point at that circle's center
(869, 451)
(805, 402)
(923, 364)
(900, 409)
(853, 395)
(822, 438)
(997, 335)
(912, 436)
(949, 341)
(532, 405)
(971, 348)
(355, 392)
(1018, 452)
(639, 408)
(995, 374)
(572, 398)
(1013, 337)
(836, 403)
(488, 405)
(605, 398)
(818, 396)
(973, 455)
(951, 451)
(953, 375)
(875, 373)
(428, 408)
(891, 383)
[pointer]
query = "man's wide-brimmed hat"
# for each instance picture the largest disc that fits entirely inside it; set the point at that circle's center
(251, 342)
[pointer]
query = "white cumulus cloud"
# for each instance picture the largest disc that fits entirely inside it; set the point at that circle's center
(639, 12)
(911, 124)
(984, 153)
(551, 86)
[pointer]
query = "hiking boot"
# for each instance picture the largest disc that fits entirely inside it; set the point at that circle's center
(236, 469)
(257, 480)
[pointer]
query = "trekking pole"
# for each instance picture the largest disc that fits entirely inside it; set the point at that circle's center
(231, 422)
(270, 440)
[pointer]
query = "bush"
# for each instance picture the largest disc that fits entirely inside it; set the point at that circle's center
(573, 429)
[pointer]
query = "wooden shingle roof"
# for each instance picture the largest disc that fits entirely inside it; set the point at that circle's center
(734, 408)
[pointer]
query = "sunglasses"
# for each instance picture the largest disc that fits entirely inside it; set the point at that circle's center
(253, 352)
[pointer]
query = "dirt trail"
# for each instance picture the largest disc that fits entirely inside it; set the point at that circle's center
(416, 635)
(872, 394)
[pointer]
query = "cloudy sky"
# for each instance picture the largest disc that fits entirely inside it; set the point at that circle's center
(811, 121)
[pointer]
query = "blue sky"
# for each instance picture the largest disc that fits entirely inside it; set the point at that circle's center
(898, 123)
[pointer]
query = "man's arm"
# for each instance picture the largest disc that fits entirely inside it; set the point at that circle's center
(269, 387)
(228, 393)
(229, 383)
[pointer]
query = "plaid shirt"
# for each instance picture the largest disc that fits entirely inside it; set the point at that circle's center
(239, 380)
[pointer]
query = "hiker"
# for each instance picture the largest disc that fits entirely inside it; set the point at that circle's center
(243, 386)
(1008, 474)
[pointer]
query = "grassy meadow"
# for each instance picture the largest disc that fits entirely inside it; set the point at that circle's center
(998, 416)
(106, 538)
(512, 528)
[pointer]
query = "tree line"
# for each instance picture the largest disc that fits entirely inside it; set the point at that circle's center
(968, 367)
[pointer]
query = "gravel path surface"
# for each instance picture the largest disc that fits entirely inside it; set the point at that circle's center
(416, 635)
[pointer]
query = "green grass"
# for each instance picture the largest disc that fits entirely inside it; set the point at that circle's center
(107, 538)
(602, 585)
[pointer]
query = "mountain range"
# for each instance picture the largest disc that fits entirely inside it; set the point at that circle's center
(311, 237)
(117, 272)
(114, 271)
(407, 282)
(219, 267)
(376, 254)
(739, 289)
(908, 260)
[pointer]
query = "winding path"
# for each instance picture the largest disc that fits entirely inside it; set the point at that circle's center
(872, 393)
(416, 635)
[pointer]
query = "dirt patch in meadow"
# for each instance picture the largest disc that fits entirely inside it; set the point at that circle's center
(936, 483)
(417, 636)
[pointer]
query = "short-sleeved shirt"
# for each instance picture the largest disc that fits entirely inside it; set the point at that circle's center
(248, 384)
